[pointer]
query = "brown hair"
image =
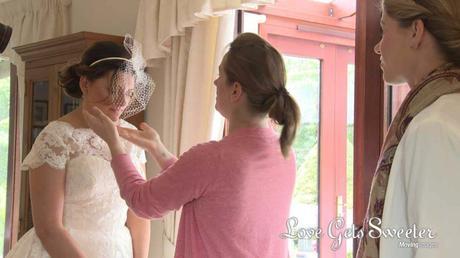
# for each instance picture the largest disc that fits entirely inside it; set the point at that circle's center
(440, 17)
(69, 78)
(260, 70)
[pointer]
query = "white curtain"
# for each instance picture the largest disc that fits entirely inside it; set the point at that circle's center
(189, 106)
(159, 21)
(185, 40)
(32, 21)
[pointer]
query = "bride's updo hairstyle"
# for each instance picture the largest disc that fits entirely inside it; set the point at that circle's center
(69, 78)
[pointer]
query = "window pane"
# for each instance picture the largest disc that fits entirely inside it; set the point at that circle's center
(397, 95)
(303, 82)
(39, 107)
(350, 141)
(68, 103)
(4, 140)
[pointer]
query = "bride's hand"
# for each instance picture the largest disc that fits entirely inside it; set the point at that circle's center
(146, 138)
(102, 125)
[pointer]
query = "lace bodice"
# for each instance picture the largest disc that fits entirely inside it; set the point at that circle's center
(60, 142)
(92, 202)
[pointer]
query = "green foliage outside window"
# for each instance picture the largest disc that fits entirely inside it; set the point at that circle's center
(4, 130)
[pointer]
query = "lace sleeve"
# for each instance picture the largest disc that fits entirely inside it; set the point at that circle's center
(49, 147)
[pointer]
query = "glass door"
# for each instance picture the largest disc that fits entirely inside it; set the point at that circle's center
(320, 76)
(304, 84)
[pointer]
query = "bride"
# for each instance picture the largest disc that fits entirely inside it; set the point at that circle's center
(76, 205)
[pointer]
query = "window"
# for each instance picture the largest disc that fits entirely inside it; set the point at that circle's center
(304, 83)
(4, 140)
(395, 97)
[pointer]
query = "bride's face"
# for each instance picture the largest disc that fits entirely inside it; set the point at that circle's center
(111, 94)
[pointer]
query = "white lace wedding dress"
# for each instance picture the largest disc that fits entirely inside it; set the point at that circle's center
(94, 213)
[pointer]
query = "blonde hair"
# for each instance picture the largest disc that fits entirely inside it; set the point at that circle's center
(440, 17)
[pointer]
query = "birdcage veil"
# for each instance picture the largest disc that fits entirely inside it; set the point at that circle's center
(131, 68)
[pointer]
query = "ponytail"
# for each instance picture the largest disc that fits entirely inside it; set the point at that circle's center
(285, 112)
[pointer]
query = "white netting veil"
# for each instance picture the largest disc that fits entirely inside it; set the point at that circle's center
(130, 87)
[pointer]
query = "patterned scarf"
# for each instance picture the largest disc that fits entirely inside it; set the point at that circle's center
(442, 81)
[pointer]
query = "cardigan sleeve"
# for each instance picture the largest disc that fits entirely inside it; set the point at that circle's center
(183, 181)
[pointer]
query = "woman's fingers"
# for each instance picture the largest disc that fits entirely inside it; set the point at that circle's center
(93, 117)
(126, 132)
(95, 111)
(149, 132)
(138, 137)
(131, 135)
(100, 123)
(134, 132)
(145, 127)
(90, 119)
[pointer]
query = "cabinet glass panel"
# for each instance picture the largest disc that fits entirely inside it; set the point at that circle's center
(68, 103)
(39, 107)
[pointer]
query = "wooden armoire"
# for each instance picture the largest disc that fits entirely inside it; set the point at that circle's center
(45, 100)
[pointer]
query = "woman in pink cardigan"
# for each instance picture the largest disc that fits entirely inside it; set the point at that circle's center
(235, 193)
